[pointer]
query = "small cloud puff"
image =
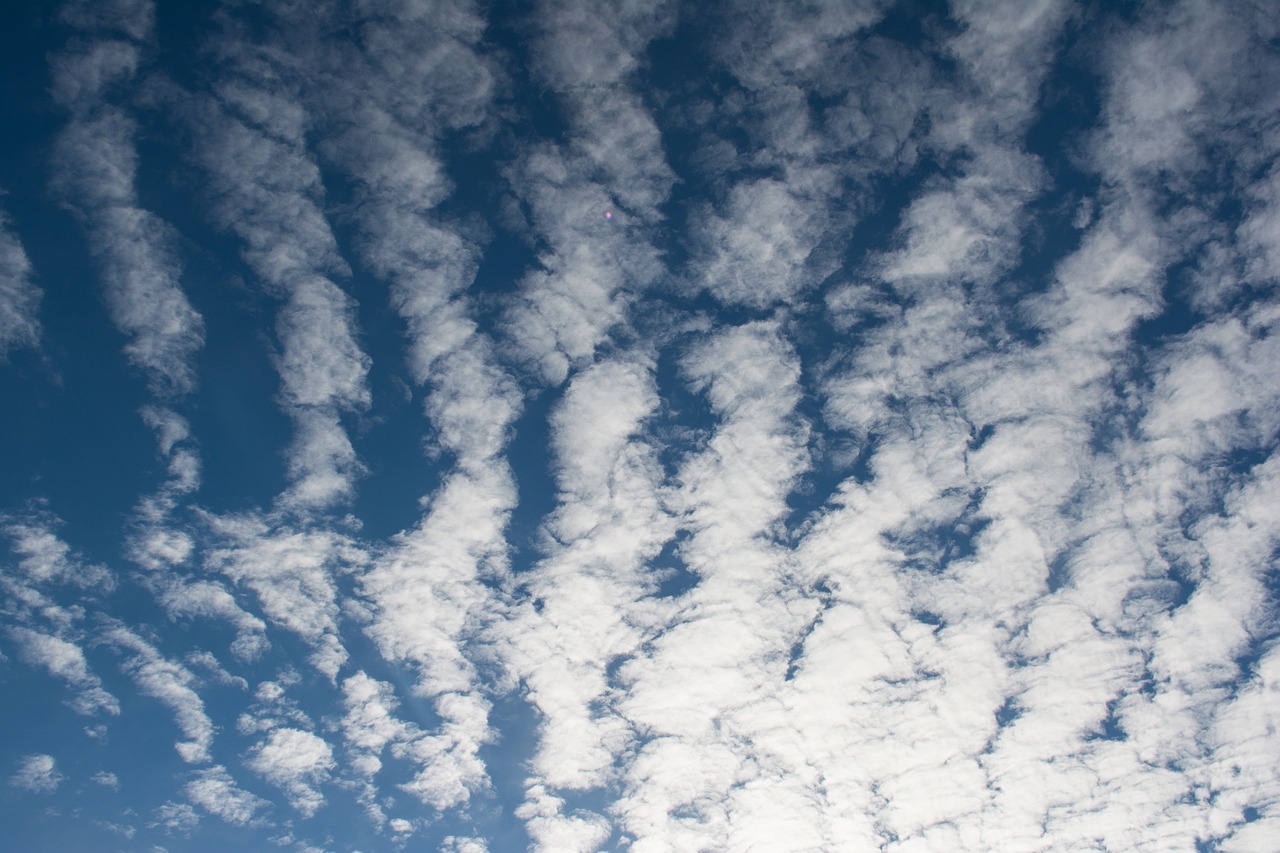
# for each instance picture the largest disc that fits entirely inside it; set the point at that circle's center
(37, 773)
(296, 761)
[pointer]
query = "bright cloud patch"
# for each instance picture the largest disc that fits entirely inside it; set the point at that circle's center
(658, 426)
(38, 774)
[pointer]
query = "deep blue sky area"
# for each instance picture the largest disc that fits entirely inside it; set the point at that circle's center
(655, 426)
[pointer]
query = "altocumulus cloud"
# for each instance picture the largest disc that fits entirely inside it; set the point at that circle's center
(661, 426)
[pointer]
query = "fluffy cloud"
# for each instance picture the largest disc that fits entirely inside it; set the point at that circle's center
(588, 592)
(613, 159)
(296, 761)
(216, 792)
(759, 249)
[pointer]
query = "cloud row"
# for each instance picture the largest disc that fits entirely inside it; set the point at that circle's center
(94, 172)
(916, 541)
(19, 294)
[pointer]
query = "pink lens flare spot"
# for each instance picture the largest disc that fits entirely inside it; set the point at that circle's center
(608, 214)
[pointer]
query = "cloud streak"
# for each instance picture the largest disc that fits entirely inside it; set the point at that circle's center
(95, 165)
(19, 294)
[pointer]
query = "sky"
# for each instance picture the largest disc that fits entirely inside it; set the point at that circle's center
(640, 425)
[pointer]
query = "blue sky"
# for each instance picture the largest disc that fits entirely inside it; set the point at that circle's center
(648, 425)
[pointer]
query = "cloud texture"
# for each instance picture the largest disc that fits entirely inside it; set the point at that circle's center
(670, 426)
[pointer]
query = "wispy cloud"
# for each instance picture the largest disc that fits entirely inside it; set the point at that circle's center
(133, 18)
(426, 591)
(94, 172)
(265, 187)
(38, 774)
(188, 598)
(428, 602)
(65, 660)
(216, 792)
(19, 294)
(293, 574)
(176, 817)
(168, 682)
(47, 634)
(45, 558)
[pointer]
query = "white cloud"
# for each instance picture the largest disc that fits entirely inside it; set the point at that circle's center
(370, 724)
(970, 543)
(173, 437)
(205, 660)
(296, 761)
(273, 707)
(175, 817)
(95, 164)
(266, 189)
(19, 294)
(46, 621)
(46, 559)
(427, 591)
(424, 591)
(760, 247)
(566, 311)
(427, 603)
(1006, 54)
(737, 487)
(581, 832)
(65, 660)
(449, 758)
(292, 574)
(417, 75)
(591, 584)
(589, 59)
(767, 43)
(472, 406)
(171, 684)
(456, 844)
(970, 227)
(216, 792)
(320, 362)
(612, 160)
(716, 698)
(183, 598)
(322, 463)
(717, 639)
(38, 774)
(969, 230)
(448, 762)
(1257, 232)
